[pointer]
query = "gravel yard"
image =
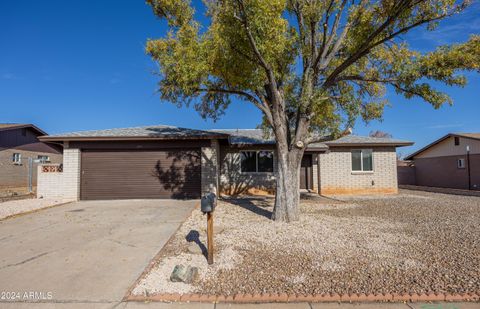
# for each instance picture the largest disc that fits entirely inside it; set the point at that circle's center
(14, 207)
(412, 242)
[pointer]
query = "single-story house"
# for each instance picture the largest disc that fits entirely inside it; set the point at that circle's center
(452, 161)
(20, 153)
(171, 162)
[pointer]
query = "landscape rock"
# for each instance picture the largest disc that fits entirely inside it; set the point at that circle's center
(184, 274)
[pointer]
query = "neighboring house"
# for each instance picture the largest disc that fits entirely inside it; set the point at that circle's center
(171, 162)
(18, 143)
(452, 161)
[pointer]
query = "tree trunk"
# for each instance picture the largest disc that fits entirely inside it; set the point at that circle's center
(287, 196)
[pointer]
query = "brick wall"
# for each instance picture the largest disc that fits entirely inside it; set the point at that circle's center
(337, 176)
(50, 184)
(16, 175)
(66, 184)
(71, 173)
(209, 168)
(315, 171)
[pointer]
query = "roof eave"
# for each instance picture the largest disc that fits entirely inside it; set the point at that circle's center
(47, 138)
(397, 144)
(316, 148)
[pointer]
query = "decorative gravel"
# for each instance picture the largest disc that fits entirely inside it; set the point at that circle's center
(413, 242)
(15, 207)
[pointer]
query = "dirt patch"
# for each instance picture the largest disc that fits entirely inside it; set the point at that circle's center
(405, 243)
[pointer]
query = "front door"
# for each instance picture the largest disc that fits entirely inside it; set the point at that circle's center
(306, 175)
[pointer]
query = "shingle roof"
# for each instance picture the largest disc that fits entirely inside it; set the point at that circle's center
(237, 137)
(246, 136)
(155, 131)
(466, 135)
(367, 140)
(256, 137)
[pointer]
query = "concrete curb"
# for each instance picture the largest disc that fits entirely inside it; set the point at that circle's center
(34, 210)
(295, 298)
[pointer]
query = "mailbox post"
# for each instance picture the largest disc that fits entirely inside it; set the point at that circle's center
(208, 206)
(210, 237)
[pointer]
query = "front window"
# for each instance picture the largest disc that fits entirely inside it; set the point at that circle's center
(249, 161)
(17, 158)
(461, 163)
(362, 160)
(256, 161)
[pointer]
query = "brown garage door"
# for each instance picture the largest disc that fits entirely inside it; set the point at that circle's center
(140, 174)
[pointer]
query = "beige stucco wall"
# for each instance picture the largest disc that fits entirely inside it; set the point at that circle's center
(447, 148)
(66, 184)
(337, 177)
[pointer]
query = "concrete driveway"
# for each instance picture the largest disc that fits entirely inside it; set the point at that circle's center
(88, 251)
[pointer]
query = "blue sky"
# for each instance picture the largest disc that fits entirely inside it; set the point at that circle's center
(79, 65)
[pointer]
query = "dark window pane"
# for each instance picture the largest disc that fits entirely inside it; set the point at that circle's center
(248, 161)
(265, 161)
(457, 140)
(367, 160)
(356, 160)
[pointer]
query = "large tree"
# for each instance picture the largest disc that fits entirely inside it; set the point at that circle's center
(311, 66)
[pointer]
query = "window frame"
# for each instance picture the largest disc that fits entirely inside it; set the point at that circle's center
(47, 159)
(456, 141)
(17, 158)
(361, 171)
(256, 161)
(460, 166)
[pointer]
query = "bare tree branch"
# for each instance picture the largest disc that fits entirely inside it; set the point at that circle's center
(333, 33)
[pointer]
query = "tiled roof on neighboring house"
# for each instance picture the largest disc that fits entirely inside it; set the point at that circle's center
(11, 126)
(468, 135)
(155, 131)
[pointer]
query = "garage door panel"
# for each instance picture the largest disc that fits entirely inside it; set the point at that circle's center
(140, 174)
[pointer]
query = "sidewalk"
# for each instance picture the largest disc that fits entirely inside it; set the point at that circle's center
(139, 305)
